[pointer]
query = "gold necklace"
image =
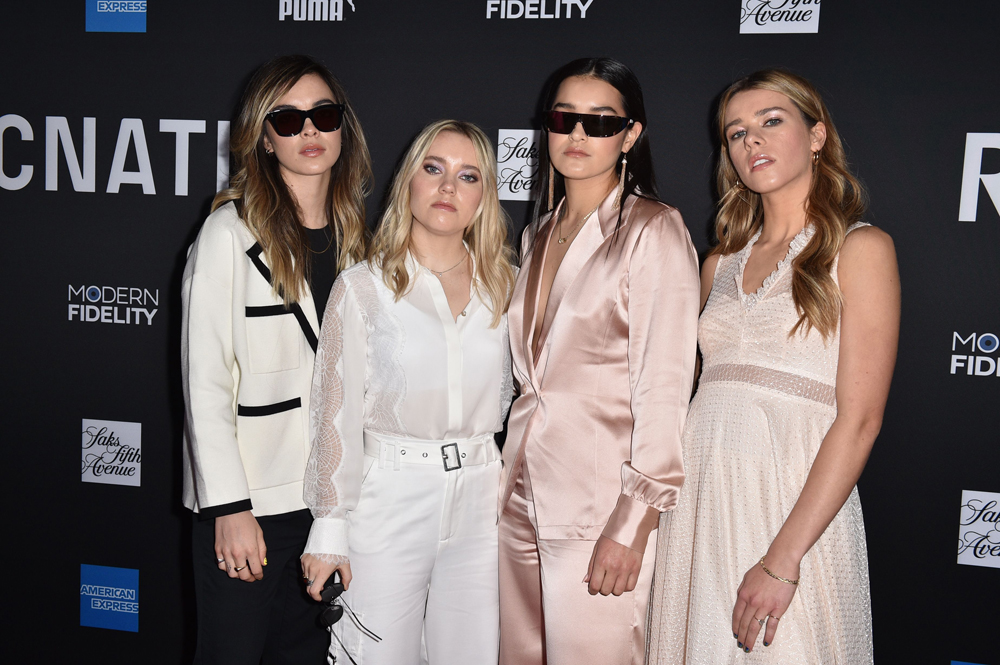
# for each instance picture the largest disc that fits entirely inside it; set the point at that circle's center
(578, 224)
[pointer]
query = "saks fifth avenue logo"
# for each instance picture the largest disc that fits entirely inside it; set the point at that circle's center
(779, 16)
(111, 453)
(975, 354)
(517, 163)
(506, 9)
(972, 175)
(113, 304)
(979, 530)
(312, 10)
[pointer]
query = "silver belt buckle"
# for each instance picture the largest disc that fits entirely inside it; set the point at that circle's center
(444, 456)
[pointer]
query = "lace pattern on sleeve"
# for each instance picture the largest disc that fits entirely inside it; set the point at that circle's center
(386, 338)
(506, 379)
(327, 401)
(331, 559)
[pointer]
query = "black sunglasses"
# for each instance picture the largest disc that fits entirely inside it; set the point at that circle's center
(598, 126)
(289, 122)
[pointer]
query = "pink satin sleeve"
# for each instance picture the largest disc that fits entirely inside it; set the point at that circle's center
(662, 302)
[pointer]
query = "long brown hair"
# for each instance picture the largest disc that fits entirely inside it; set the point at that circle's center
(486, 235)
(267, 206)
(836, 200)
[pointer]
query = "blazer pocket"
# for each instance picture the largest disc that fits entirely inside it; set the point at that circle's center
(271, 443)
(274, 339)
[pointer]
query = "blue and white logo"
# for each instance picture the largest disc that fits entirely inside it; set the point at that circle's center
(116, 15)
(109, 597)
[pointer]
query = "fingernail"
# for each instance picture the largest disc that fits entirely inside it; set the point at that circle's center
(767, 644)
(746, 649)
(739, 644)
(735, 636)
(265, 561)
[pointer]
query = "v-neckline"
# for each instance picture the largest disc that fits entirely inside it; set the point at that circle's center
(794, 246)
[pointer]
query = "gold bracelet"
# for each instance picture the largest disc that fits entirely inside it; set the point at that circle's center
(780, 579)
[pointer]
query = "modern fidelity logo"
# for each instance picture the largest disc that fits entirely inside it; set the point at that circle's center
(517, 163)
(972, 175)
(979, 529)
(779, 16)
(112, 452)
(109, 597)
(116, 16)
(130, 305)
(507, 9)
(312, 10)
(975, 354)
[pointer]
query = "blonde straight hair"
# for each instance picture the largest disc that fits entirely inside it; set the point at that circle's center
(486, 235)
(267, 206)
(836, 200)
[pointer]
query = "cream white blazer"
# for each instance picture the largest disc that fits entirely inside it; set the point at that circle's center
(247, 366)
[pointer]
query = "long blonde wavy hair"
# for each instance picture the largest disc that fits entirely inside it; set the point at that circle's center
(266, 204)
(486, 235)
(836, 200)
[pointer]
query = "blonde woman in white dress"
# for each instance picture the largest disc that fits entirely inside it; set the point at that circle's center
(412, 380)
(764, 560)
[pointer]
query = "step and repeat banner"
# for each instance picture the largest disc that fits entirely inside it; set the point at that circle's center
(114, 121)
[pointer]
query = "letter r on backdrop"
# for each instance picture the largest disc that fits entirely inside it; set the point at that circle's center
(972, 173)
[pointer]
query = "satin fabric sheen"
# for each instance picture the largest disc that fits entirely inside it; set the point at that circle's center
(601, 409)
(547, 616)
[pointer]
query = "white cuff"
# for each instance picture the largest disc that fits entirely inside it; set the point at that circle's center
(328, 535)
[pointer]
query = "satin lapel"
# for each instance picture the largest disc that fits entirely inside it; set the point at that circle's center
(584, 245)
(532, 290)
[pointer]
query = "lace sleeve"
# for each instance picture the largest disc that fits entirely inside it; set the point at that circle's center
(332, 481)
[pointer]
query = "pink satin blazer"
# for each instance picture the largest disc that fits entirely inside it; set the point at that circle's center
(599, 417)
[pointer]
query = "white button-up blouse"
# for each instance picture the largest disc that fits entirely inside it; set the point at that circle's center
(401, 368)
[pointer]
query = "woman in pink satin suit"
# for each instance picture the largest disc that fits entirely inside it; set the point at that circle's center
(602, 328)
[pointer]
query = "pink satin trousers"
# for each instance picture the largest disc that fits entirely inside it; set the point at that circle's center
(547, 616)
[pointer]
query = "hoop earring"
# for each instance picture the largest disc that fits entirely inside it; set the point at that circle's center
(552, 184)
(816, 157)
(621, 184)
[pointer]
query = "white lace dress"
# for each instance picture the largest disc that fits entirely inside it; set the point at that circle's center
(400, 368)
(764, 403)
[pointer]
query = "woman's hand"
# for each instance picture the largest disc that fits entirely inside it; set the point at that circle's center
(761, 596)
(239, 546)
(614, 568)
(317, 572)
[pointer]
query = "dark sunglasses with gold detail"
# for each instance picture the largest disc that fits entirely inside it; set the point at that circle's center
(597, 126)
(289, 122)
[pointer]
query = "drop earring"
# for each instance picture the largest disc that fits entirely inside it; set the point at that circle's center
(621, 184)
(552, 185)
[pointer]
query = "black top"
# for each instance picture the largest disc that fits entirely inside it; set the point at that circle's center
(323, 266)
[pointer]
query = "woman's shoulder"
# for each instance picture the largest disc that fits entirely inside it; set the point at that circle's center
(865, 243)
(651, 218)
(225, 223)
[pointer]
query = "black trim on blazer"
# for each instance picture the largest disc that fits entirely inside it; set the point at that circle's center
(267, 310)
(300, 316)
(224, 509)
(268, 409)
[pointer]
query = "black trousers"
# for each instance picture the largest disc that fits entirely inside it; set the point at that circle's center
(270, 621)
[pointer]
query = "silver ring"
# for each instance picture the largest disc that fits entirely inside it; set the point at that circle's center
(309, 582)
(219, 560)
(760, 622)
(239, 569)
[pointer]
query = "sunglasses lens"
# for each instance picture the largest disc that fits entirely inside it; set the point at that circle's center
(327, 118)
(287, 123)
(601, 126)
(557, 122)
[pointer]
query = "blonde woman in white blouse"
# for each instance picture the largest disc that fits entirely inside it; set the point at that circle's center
(412, 380)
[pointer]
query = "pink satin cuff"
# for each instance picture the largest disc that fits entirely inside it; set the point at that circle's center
(631, 522)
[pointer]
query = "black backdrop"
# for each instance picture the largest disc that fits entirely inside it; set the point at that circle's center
(906, 83)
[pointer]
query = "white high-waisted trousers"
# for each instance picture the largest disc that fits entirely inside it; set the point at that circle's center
(423, 552)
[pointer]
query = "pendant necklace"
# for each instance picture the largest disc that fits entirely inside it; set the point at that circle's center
(441, 272)
(578, 224)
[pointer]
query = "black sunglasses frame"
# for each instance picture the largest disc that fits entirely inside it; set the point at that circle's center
(306, 115)
(594, 126)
